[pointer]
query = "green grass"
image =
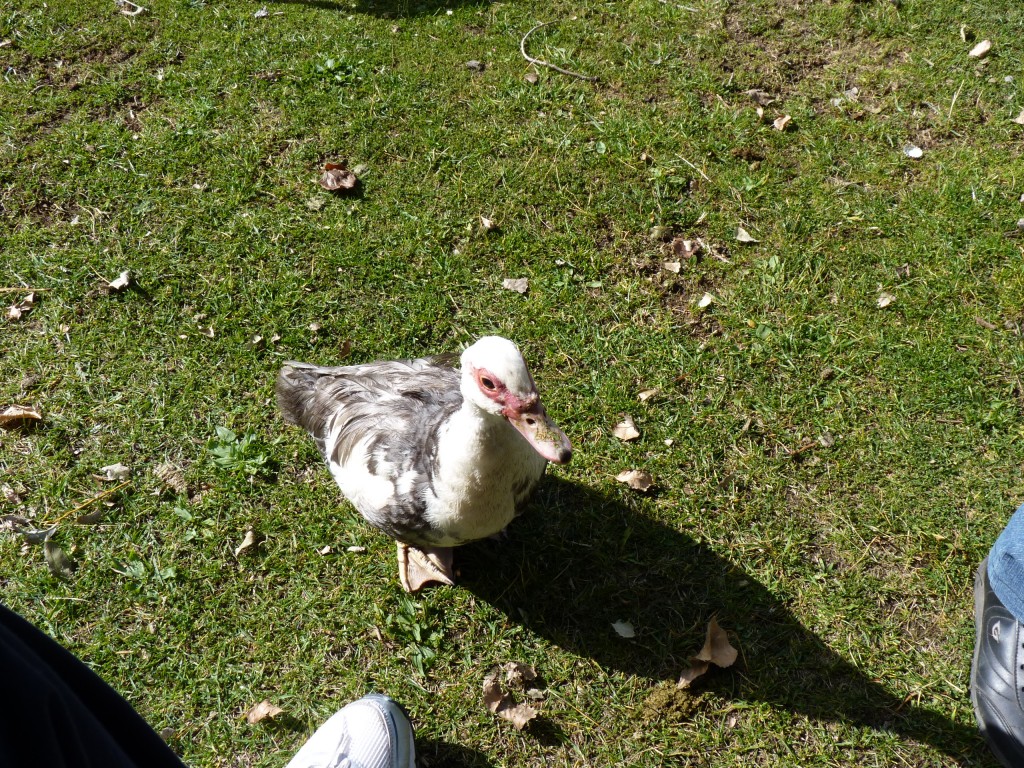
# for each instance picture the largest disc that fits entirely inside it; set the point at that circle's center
(836, 470)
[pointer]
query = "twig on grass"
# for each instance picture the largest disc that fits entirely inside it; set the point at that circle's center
(89, 501)
(529, 58)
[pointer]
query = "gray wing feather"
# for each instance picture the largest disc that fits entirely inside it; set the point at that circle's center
(401, 404)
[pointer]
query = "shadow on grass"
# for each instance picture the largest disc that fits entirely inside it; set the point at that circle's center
(440, 754)
(390, 9)
(578, 561)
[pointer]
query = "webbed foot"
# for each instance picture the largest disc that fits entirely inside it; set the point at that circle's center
(419, 566)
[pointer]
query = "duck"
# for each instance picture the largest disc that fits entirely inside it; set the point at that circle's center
(433, 452)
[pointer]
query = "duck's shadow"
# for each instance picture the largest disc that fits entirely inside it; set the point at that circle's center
(577, 561)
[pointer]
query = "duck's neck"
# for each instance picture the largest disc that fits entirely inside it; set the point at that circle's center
(472, 434)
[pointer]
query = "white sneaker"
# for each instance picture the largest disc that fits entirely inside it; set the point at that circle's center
(371, 732)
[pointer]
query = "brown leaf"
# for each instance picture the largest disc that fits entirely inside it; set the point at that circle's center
(251, 541)
(782, 123)
(745, 237)
(494, 697)
(262, 711)
(503, 705)
(336, 177)
(981, 50)
(172, 477)
(16, 311)
(518, 674)
(671, 266)
(647, 394)
(885, 299)
(117, 472)
(91, 518)
(14, 523)
(531, 78)
(685, 249)
(717, 649)
(60, 564)
(517, 284)
(637, 479)
(18, 415)
(120, 282)
(692, 672)
(626, 429)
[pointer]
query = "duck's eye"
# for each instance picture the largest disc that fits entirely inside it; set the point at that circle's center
(531, 422)
(488, 384)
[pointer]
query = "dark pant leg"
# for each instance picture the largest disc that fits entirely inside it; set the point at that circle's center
(56, 712)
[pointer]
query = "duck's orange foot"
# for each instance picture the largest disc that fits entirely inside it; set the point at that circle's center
(420, 566)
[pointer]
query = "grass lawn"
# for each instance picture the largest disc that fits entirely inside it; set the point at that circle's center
(835, 441)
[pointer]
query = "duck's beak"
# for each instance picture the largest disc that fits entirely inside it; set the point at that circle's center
(542, 433)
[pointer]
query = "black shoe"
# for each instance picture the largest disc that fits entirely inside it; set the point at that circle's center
(997, 673)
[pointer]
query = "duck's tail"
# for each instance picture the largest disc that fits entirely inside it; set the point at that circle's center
(296, 387)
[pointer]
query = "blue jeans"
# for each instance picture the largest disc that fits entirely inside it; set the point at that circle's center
(1006, 565)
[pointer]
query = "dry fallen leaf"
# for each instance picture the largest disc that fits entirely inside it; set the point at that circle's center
(717, 648)
(517, 284)
(60, 564)
(685, 249)
(671, 266)
(475, 66)
(251, 541)
(16, 311)
(626, 429)
(172, 477)
(637, 479)
(14, 523)
(356, 550)
(782, 123)
(18, 415)
(38, 535)
(117, 472)
(487, 224)
(91, 518)
(706, 301)
(120, 282)
(691, 673)
(981, 49)
(1019, 119)
(503, 705)
(531, 78)
(913, 152)
(647, 394)
(519, 674)
(624, 629)
(745, 237)
(336, 177)
(885, 299)
(262, 711)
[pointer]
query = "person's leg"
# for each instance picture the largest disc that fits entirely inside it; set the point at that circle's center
(55, 711)
(371, 732)
(997, 672)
